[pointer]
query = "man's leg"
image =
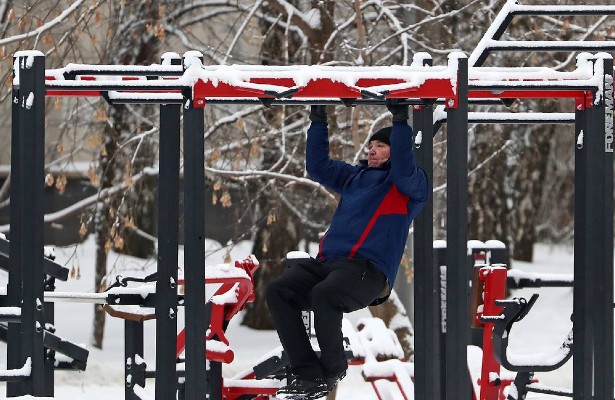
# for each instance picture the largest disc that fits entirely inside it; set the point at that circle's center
(287, 296)
(350, 285)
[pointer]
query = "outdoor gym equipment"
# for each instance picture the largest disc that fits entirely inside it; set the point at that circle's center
(189, 86)
(73, 356)
(499, 316)
(229, 287)
(185, 86)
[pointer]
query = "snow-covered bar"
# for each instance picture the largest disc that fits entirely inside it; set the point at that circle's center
(582, 75)
(517, 118)
(540, 45)
(162, 83)
(518, 9)
(585, 83)
(254, 82)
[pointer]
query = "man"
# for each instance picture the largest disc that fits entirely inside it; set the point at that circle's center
(359, 255)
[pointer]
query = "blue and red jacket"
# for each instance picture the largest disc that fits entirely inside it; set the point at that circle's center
(376, 206)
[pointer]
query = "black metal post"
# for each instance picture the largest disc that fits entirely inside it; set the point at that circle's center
(601, 284)
(133, 351)
(168, 238)
(439, 265)
(458, 294)
(582, 362)
(427, 357)
(14, 339)
(29, 239)
(214, 371)
(194, 252)
(498, 253)
(50, 354)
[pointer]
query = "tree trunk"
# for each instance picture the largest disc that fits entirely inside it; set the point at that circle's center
(488, 209)
(135, 46)
(529, 184)
(101, 230)
(105, 215)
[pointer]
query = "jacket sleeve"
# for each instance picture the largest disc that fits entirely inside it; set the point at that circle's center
(407, 176)
(331, 173)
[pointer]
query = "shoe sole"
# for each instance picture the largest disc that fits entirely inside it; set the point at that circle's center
(297, 396)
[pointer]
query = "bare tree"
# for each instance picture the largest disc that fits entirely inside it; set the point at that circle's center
(511, 183)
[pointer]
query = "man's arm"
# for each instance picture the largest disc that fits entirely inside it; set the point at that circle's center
(407, 176)
(331, 173)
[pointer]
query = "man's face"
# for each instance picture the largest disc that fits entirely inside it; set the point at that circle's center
(378, 153)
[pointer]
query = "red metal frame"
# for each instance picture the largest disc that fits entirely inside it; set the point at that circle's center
(494, 288)
(327, 88)
(494, 279)
(324, 88)
(393, 378)
(222, 313)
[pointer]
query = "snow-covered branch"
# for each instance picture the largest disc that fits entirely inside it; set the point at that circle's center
(45, 27)
(424, 21)
(88, 201)
(240, 30)
(257, 174)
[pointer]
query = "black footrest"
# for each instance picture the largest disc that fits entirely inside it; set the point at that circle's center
(51, 268)
(77, 354)
(272, 366)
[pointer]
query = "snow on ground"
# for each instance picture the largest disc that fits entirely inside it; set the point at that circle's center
(542, 330)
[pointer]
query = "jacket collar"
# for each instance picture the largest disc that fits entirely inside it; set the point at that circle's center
(386, 166)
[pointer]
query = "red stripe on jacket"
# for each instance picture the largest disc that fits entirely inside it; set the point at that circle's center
(394, 202)
(322, 240)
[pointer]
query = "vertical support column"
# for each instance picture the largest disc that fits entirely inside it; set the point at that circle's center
(50, 355)
(168, 228)
(602, 200)
(427, 357)
(133, 349)
(439, 265)
(458, 291)
(497, 252)
(214, 371)
(582, 360)
(28, 240)
(168, 238)
(194, 251)
(14, 339)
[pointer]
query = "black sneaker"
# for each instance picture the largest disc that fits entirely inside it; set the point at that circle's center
(303, 389)
(334, 379)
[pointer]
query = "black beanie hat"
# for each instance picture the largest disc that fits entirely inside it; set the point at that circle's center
(383, 135)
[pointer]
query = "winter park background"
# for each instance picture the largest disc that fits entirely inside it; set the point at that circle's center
(540, 332)
(102, 160)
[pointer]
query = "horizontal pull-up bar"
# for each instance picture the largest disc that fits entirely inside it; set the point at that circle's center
(125, 70)
(268, 85)
(536, 45)
(562, 10)
(493, 94)
(516, 118)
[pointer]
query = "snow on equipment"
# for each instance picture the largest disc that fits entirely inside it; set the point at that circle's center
(183, 87)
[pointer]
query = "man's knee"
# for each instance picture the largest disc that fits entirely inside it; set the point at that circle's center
(272, 292)
(327, 296)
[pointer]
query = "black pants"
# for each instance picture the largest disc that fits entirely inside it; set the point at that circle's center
(328, 288)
